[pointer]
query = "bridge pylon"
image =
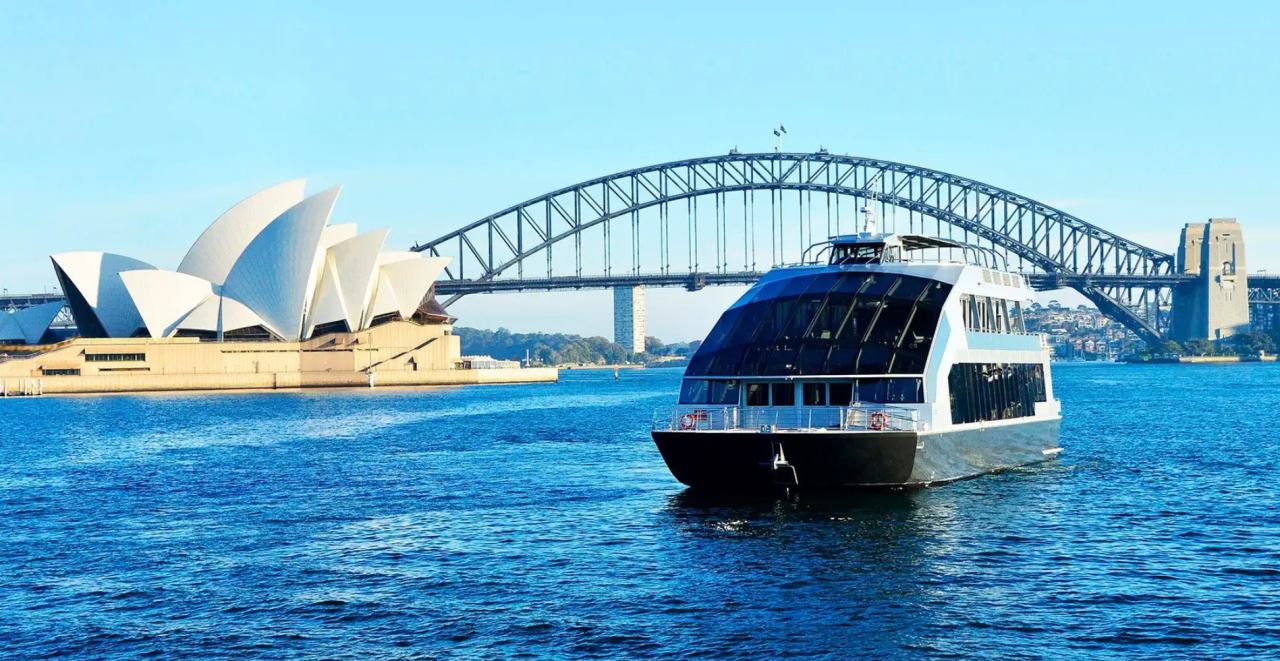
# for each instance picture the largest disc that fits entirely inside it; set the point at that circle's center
(1215, 305)
(628, 317)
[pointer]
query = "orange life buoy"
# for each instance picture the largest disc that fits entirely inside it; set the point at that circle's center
(879, 420)
(688, 421)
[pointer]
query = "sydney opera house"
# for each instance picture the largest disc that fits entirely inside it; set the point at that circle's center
(270, 295)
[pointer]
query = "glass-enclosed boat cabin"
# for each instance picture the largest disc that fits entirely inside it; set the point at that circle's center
(847, 335)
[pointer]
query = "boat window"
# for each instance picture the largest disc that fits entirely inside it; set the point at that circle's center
(757, 394)
(782, 355)
(815, 394)
(784, 394)
(890, 391)
(817, 341)
(723, 392)
(984, 314)
(856, 254)
(874, 360)
(994, 391)
(701, 391)
(700, 364)
(693, 391)
(1019, 325)
(841, 394)
(827, 324)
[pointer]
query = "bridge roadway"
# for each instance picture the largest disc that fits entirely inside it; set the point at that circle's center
(1263, 288)
(9, 302)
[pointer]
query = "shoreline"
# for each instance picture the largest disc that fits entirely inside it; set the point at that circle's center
(1199, 360)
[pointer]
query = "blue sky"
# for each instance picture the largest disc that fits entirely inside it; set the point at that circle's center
(128, 127)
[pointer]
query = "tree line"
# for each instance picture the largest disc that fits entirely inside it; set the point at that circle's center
(560, 348)
(1244, 344)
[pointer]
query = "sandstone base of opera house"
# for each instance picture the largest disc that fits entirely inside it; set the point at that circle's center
(400, 353)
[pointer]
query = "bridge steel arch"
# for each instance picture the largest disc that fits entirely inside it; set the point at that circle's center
(495, 252)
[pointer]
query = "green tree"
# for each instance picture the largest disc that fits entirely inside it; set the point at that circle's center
(1170, 348)
(1199, 348)
(1250, 344)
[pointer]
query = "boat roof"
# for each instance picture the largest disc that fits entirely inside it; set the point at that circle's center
(907, 241)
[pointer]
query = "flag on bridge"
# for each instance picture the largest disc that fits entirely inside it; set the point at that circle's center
(782, 128)
(775, 133)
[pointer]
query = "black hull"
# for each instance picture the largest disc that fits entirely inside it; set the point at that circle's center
(743, 461)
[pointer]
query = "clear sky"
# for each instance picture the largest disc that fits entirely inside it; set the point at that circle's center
(128, 127)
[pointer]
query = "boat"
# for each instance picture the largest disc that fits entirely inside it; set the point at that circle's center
(880, 360)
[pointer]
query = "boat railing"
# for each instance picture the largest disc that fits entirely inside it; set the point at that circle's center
(866, 417)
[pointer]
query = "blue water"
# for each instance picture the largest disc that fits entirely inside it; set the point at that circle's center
(539, 522)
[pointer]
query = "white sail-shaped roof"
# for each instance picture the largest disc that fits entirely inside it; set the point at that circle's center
(163, 298)
(216, 251)
(391, 256)
(273, 274)
(383, 300)
(335, 234)
(237, 315)
(411, 279)
(356, 260)
(10, 331)
(203, 318)
(32, 323)
(97, 296)
(331, 235)
(233, 313)
(403, 281)
(327, 305)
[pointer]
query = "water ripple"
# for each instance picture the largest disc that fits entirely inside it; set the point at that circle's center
(539, 522)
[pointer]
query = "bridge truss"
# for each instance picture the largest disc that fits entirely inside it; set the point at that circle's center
(706, 221)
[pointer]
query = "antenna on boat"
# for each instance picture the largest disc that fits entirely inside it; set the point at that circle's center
(869, 216)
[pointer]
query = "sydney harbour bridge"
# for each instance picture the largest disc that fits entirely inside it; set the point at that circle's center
(724, 220)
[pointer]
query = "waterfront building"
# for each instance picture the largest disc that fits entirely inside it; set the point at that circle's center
(270, 295)
(270, 268)
(488, 363)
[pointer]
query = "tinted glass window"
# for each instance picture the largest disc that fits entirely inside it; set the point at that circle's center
(890, 391)
(872, 390)
(728, 358)
(994, 391)
(906, 391)
(874, 360)
(1019, 325)
(757, 394)
(815, 394)
(701, 362)
(841, 394)
(693, 391)
(723, 392)
(890, 323)
(784, 394)
(827, 324)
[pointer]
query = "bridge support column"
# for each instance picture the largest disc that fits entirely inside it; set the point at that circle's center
(1216, 304)
(628, 317)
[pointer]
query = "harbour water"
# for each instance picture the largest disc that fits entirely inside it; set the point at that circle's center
(538, 521)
